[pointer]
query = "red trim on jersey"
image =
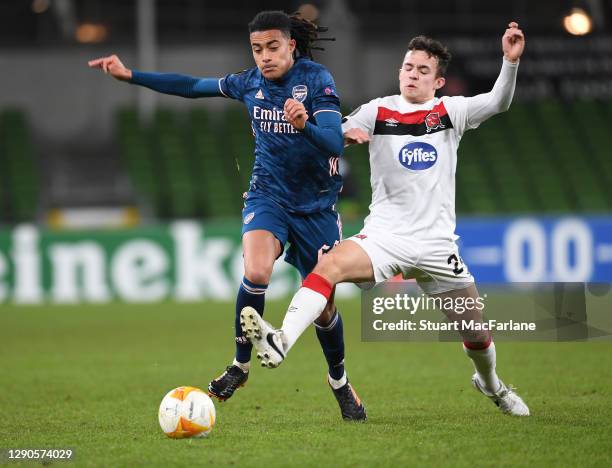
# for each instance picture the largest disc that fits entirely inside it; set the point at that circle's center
(417, 117)
(318, 284)
(478, 346)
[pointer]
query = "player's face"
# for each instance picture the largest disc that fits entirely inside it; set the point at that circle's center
(273, 53)
(417, 77)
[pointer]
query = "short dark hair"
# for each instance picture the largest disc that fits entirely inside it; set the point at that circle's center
(266, 20)
(433, 48)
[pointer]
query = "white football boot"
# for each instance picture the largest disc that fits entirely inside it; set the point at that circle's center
(266, 340)
(505, 398)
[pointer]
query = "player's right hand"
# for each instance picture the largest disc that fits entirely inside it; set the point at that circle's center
(113, 66)
(295, 113)
(356, 136)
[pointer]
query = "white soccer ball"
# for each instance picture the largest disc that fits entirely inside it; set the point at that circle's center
(186, 412)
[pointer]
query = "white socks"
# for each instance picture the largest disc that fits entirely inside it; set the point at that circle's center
(244, 366)
(336, 384)
(305, 308)
(484, 363)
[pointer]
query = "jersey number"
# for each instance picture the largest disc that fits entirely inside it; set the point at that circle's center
(456, 261)
(325, 249)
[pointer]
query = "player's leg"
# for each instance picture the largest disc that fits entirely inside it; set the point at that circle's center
(480, 348)
(330, 333)
(477, 344)
(449, 279)
(260, 250)
(264, 234)
(347, 262)
(310, 240)
(314, 238)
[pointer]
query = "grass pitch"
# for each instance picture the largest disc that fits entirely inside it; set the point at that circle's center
(91, 378)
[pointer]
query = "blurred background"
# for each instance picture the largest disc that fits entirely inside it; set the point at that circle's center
(109, 191)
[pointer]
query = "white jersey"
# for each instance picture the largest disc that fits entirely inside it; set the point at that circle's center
(413, 156)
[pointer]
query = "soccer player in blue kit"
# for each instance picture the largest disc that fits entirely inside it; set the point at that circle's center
(296, 119)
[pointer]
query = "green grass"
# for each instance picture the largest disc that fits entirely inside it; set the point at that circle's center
(91, 378)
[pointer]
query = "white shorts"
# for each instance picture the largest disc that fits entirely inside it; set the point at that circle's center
(436, 265)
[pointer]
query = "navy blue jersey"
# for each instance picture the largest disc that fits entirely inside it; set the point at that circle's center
(288, 168)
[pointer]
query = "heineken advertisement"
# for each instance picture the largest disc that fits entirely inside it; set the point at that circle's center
(185, 261)
(192, 261)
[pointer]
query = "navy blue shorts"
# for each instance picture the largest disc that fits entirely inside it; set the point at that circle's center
(308, 235)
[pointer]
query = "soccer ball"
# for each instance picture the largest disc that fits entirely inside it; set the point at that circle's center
(186, 412)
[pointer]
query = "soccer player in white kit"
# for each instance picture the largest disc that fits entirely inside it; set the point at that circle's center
(413, 139)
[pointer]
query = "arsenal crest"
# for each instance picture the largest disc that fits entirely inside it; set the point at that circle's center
(299, 93)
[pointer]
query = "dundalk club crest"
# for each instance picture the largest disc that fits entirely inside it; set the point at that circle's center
(433, 122)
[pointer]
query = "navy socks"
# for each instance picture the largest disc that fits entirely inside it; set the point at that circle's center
(249, 294)
(331, 337)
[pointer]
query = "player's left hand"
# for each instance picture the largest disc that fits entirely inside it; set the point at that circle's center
(356, 136)
(513, 42)
(295, 113)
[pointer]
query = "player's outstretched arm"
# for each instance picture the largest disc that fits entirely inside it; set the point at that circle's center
(483, 106)
(166, 83)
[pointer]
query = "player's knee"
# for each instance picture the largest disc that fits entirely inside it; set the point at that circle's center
(258, 273)
(329, 268)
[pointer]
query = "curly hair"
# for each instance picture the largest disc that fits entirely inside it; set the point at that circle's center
(304, 32)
